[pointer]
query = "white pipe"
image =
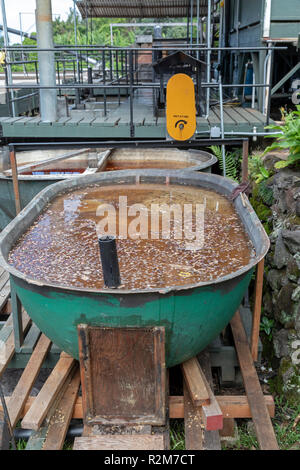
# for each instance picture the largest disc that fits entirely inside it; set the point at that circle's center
(253, 92)
(267, 78)
(48, 98)
(267, 19)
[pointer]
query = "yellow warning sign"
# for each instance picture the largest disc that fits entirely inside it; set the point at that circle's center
(181, 108)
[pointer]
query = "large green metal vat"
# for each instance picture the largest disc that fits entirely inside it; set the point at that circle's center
(192, 315)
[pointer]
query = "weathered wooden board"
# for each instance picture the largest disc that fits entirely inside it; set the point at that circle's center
(260, 416)
(123, 442)
(192, 422)
(26, 382)
(195, 383)
(60, 420)
(232, 406)
(122, 375)
(7, 346)
(4, 433)
(48, 393)
(211, 438)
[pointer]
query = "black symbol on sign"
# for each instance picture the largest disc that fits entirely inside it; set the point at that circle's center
(181, 123)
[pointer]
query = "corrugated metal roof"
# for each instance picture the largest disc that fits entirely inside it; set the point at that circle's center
(138, 8)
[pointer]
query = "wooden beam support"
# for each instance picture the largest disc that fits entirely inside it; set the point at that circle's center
(36, 414)
(232, 406)
(59, 422)
(120, 442)
(212, 417)
(7, 347)
(14, 172)
(260, 416)
(211, 439)
(195, 383)
(192, 422)
(259, 280)
(28, 377)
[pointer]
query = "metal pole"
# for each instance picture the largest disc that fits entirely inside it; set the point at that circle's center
(222, 124)
(103, 81)
(131, 92)
(208, 36)
(198, 27)
(192, 14)
(75, 33)
(7, 419)
(48, 99)
(7, 55)
(111, 35)
(245, 175)
(22, 37)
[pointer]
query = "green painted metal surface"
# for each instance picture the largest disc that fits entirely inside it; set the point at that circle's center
(192, 318)
(28, 189)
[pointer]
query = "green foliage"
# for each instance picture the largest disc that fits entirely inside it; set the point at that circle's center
(177, 440)
(257, 170)
(267, 325)
(265, 192)
(232, 160)
(286, 426)
(290, 139)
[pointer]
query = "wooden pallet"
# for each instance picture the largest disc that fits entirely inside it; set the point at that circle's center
(49, 414)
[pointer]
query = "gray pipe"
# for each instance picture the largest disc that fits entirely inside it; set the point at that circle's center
(48, 98)
(75, 430)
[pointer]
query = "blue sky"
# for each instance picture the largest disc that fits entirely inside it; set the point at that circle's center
(27, 8)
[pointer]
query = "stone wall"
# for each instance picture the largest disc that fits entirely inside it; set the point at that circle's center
(281, 300)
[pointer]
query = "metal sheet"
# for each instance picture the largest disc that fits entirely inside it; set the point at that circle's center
(138, 8)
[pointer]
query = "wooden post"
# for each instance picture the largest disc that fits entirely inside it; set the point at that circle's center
(16, 308)
(259, 279)
(245, 161)
(262, 423)
(14, 170)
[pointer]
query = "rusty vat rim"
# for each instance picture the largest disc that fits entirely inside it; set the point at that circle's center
(223, 186)
(193, 155)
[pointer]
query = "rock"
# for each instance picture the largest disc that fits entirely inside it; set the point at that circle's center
(284, 306)
(296, 294)
(270, 159)
(291, 240)
(297, 320)
(290, 377)
(280, 341)
(281, 254)
(285, 186)
(274, 278)
(293, 270)
(297, 208)
(267, 302)
(297, 259)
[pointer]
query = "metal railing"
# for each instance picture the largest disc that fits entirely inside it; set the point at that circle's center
(86, 69)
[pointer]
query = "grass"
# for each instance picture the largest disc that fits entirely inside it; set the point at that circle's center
(177, 434)
(286, 426)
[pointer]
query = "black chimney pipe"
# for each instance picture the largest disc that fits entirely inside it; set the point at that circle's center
(109, 260)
